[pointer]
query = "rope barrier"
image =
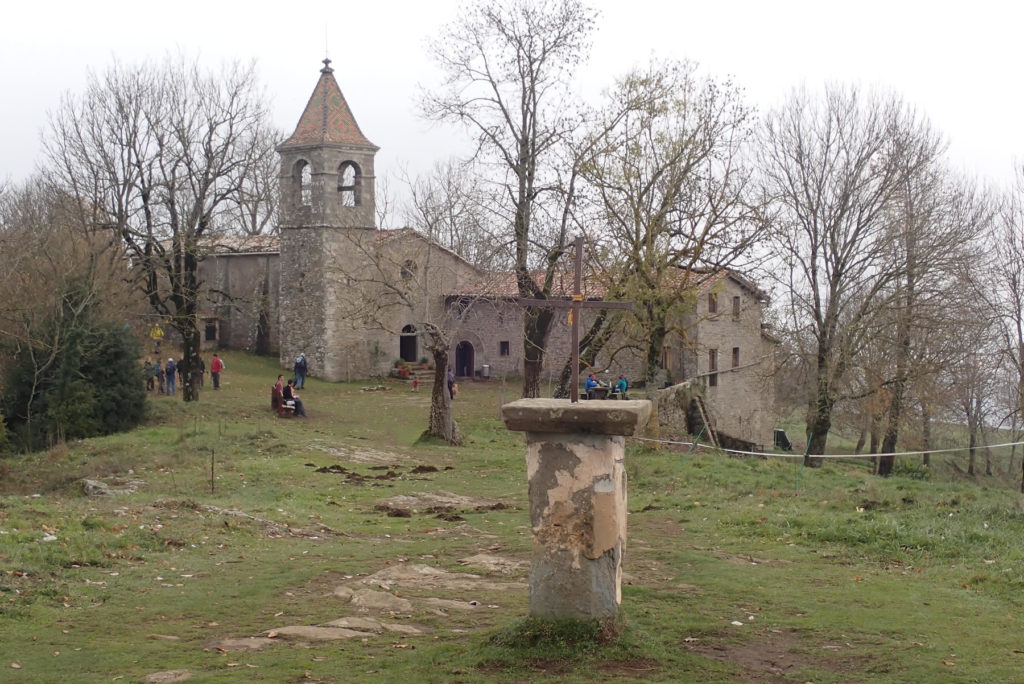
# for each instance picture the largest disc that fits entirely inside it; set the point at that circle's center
(694, 445)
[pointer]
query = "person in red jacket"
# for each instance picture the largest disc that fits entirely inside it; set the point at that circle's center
(216, 368)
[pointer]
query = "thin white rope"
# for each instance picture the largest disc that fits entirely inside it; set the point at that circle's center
(796, 455)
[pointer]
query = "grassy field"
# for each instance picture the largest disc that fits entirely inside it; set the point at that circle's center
(251, 544)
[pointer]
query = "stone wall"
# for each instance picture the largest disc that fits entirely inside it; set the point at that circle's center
(233, 285)
(740, 393)
(302, 297)
(493, 326)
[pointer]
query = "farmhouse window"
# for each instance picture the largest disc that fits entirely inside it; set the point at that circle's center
(735, 307)
(712, 303)
(503, 348)
(735, 357)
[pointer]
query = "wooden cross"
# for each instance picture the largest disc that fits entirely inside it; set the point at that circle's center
(574, 305)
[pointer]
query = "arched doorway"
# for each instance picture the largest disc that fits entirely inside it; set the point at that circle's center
(407, 344)
(464, 359)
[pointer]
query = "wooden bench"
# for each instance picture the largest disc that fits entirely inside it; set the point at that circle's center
(277, 404)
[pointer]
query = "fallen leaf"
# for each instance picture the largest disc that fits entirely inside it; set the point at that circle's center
(949, 663)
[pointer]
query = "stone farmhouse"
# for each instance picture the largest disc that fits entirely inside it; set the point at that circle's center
(354, 299)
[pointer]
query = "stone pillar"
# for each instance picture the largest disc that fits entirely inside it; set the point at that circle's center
(575, 457)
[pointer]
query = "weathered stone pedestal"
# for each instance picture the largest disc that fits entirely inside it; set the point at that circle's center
(575, 464)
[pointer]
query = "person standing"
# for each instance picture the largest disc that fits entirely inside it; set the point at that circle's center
(156, 333)
(202, 371)
(299, 371)
(171, 371)
(216, 368)
(451, 383)
(159, 372)
(147, 371)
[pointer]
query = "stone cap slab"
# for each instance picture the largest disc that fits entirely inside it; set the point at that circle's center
(595, 417)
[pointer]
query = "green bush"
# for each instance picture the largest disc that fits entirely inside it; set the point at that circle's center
(91, 385)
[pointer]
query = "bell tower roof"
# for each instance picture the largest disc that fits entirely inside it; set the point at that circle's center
(327, 118)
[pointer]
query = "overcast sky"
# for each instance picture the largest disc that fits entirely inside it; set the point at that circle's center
(960, 63)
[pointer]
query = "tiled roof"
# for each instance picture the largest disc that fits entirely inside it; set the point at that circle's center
(245, 244)
(504, 285)
(327, 118)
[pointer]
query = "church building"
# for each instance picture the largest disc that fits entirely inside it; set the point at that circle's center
(354, 299)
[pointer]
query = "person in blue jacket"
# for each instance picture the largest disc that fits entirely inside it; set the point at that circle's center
(621, 386)
(299, 371)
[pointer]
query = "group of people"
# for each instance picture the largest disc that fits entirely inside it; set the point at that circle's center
(286, 392)
(289, 396)
(164, 378)
(592, 383)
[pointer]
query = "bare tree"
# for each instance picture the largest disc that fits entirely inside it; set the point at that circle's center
(672, 194)
(507, 69)
(1001, 287)
(252, 210)
(44, 256)
(832, 169)
(450, 206)
(159, 155)
(937, 223)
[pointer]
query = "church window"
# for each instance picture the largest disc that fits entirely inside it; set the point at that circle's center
(349, 180)
(304, 179)
(503, 348)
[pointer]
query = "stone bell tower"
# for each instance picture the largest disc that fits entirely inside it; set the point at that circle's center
(327, 219)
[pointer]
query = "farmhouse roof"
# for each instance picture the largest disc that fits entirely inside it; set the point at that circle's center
(327, 117)
(505, 285)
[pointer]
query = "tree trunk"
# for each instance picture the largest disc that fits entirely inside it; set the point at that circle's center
(819, 412)
(926, 434)
(972, 428)
(441, 423)
(818, 425)
(190, 341)
(655, 344)
(590, 346)
(538, 323)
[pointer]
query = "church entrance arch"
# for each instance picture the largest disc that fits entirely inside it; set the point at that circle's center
(464, 362)
(407, 344)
